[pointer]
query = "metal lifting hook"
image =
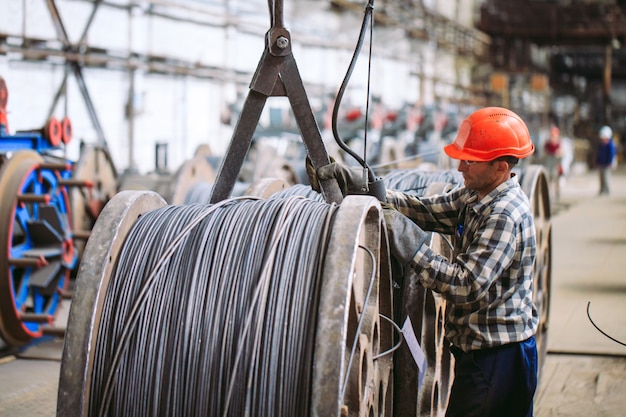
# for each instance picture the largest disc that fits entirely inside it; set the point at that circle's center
(276, 75)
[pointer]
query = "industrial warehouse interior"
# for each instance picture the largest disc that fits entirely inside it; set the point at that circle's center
(169, 245)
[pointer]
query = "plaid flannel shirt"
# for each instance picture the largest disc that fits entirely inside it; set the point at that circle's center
(488, 281)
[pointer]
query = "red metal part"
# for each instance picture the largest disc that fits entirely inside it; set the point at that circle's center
(4, 97)
(66, 130)
(52, 131)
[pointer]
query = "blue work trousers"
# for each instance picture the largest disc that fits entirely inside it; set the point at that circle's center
(495, 382)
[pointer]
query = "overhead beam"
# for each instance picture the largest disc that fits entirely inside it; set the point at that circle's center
(549, 23)
(421, 22)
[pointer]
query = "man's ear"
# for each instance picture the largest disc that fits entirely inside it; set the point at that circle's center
(503, 165)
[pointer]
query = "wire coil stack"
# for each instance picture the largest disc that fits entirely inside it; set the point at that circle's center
(254, 307)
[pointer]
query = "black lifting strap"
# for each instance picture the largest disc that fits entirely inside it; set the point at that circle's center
(276, 75)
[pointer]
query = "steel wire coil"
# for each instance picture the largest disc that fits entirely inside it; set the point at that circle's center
(206, 314)
(299, 190)
(417, 181)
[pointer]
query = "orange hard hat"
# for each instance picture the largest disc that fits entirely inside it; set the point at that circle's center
(490, 133)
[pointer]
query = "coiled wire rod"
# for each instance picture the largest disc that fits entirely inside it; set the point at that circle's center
(208, 313)
(370, 286)
(417, 181)
(299, 190)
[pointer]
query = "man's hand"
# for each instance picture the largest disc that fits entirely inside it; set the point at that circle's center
(350, 180)
(405, 237)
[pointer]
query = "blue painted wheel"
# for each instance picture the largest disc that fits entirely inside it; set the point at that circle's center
(36, 247)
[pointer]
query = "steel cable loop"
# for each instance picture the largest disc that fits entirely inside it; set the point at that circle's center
(400, 338)
(370, 286)
(598, 328)
(211, 310)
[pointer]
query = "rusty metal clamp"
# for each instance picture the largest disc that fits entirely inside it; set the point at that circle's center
(276, 75)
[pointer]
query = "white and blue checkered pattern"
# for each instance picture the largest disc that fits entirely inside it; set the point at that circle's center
(488, 281)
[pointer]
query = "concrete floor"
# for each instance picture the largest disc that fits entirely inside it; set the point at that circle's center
(584, 373)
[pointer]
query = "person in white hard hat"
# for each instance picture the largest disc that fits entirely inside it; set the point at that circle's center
(605, 156)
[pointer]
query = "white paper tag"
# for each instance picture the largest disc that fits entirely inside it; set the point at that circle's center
(416, 350)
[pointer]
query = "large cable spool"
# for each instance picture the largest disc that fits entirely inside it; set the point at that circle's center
(534, 182)
(266, 187)
(426, 310)
(36, 244)
(175, 188)
(274, 158)
(348, 333)
(198, 191)
(432, 399)
(420, 181)
(338, 386)
(196, 170)
(96, 170)
(157, 181)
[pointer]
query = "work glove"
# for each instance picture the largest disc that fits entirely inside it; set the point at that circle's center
(405, 237)
(350, 180)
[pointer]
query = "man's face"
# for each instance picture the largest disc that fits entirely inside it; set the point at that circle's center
(483, 177)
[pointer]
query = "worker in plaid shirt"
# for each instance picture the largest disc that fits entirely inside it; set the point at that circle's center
(491, 318)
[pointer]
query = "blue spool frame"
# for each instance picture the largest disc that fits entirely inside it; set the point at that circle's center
(22, 304)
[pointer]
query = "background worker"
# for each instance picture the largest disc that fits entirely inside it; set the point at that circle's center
(605, 156)
(553, 160)
(491, 318)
